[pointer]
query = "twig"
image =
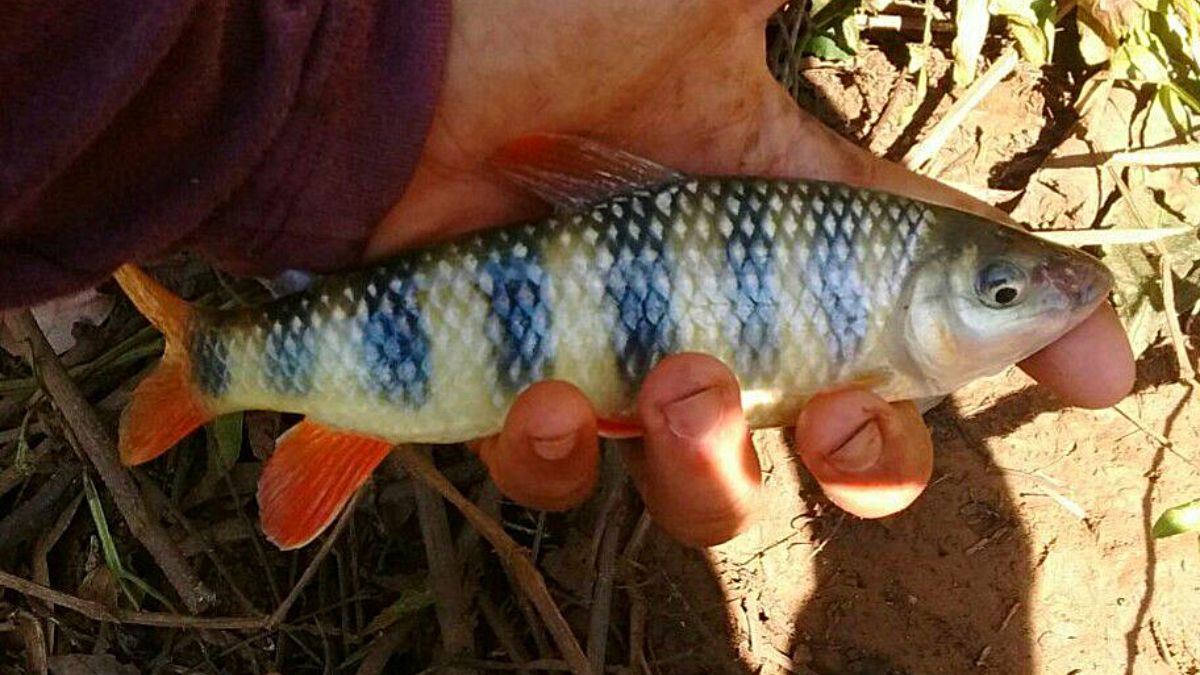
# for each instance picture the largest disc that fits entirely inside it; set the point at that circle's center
(1186, 372)
(996, 535)
(987, 651)
(98, 612)
(445, 572)
(48, 540)
(1176, 155)
(10, 435)
(16, 474)
(224, 532)
(542, 664)
(502, 629)
(41, 554)
(280, 612)
(1109, 237)
(101, 450)
(26, 521)
(637, 625)
(471, 553)
(162, 504)
(1158, 438)
(382, 648)
(922, 152)
(638, 612)
(898, 22)
(606, 572)
(256, 542)
(36, 652)
(514, 557)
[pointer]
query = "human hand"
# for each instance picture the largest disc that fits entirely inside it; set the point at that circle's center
(685, 84)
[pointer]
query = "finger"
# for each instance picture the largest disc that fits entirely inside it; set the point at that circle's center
(871, 458)
(1092, 366)
(547, 455)
(696, 469)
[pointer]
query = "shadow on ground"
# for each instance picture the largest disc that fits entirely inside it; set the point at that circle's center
(942, 587)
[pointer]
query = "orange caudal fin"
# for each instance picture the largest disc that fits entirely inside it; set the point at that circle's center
(169, 313)
(166, 406)
(313, 473)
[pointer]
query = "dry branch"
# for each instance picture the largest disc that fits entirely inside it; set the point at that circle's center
(101, 450)
(98, 612)
(445, 571)
(514, 557)
(922, 152)
(606, 573)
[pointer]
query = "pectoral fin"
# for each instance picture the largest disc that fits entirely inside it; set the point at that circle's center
(313, 473)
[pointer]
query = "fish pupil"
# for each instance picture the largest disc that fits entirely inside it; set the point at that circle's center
(1005, 295)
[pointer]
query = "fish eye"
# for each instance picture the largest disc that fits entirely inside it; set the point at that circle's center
(1001, 284)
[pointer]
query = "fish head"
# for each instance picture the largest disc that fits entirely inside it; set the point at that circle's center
(992, 295)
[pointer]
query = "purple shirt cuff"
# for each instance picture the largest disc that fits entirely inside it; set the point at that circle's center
(265, 135)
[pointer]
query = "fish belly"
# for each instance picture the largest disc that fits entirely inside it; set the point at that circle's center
(791, 284)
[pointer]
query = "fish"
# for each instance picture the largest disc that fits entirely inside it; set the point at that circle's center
(798, 286)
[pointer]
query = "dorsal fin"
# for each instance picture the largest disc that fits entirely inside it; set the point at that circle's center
(573, 173)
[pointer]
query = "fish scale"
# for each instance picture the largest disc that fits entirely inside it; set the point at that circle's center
(778, 279)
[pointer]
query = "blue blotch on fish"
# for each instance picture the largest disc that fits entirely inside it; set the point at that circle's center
(210, 361)
(833, 271)
(291, 350)
(519, 316)
(638, 288)
(749, 252)
(395, 340)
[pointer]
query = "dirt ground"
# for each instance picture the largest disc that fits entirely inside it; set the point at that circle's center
(1029, 553)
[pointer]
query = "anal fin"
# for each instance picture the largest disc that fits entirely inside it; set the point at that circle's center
(313, 473)
(618, 428)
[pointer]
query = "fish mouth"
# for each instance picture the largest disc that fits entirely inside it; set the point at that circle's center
(1084, 280)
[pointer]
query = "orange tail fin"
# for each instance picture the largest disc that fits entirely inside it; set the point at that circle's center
(167, 405)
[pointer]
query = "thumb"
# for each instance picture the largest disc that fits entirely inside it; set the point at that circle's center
(872, 458)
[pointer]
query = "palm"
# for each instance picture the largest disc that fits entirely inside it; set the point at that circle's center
(684, 83)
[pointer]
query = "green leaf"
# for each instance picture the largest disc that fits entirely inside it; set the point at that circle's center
(1032, 26)
(825, 47)
(848, 32)
(971, 21)
(1133, 61)
(224, 445)
(1178, 520)
(1173, 108)
(1091, 45)
(409, 602)
(1137, 294)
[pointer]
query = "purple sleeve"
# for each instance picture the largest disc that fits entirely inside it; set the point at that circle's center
(267, 134)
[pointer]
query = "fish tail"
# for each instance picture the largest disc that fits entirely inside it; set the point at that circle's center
(168, 404)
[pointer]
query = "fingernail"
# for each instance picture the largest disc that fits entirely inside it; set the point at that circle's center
(861, 452)
(692, 418)
(555, 447)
